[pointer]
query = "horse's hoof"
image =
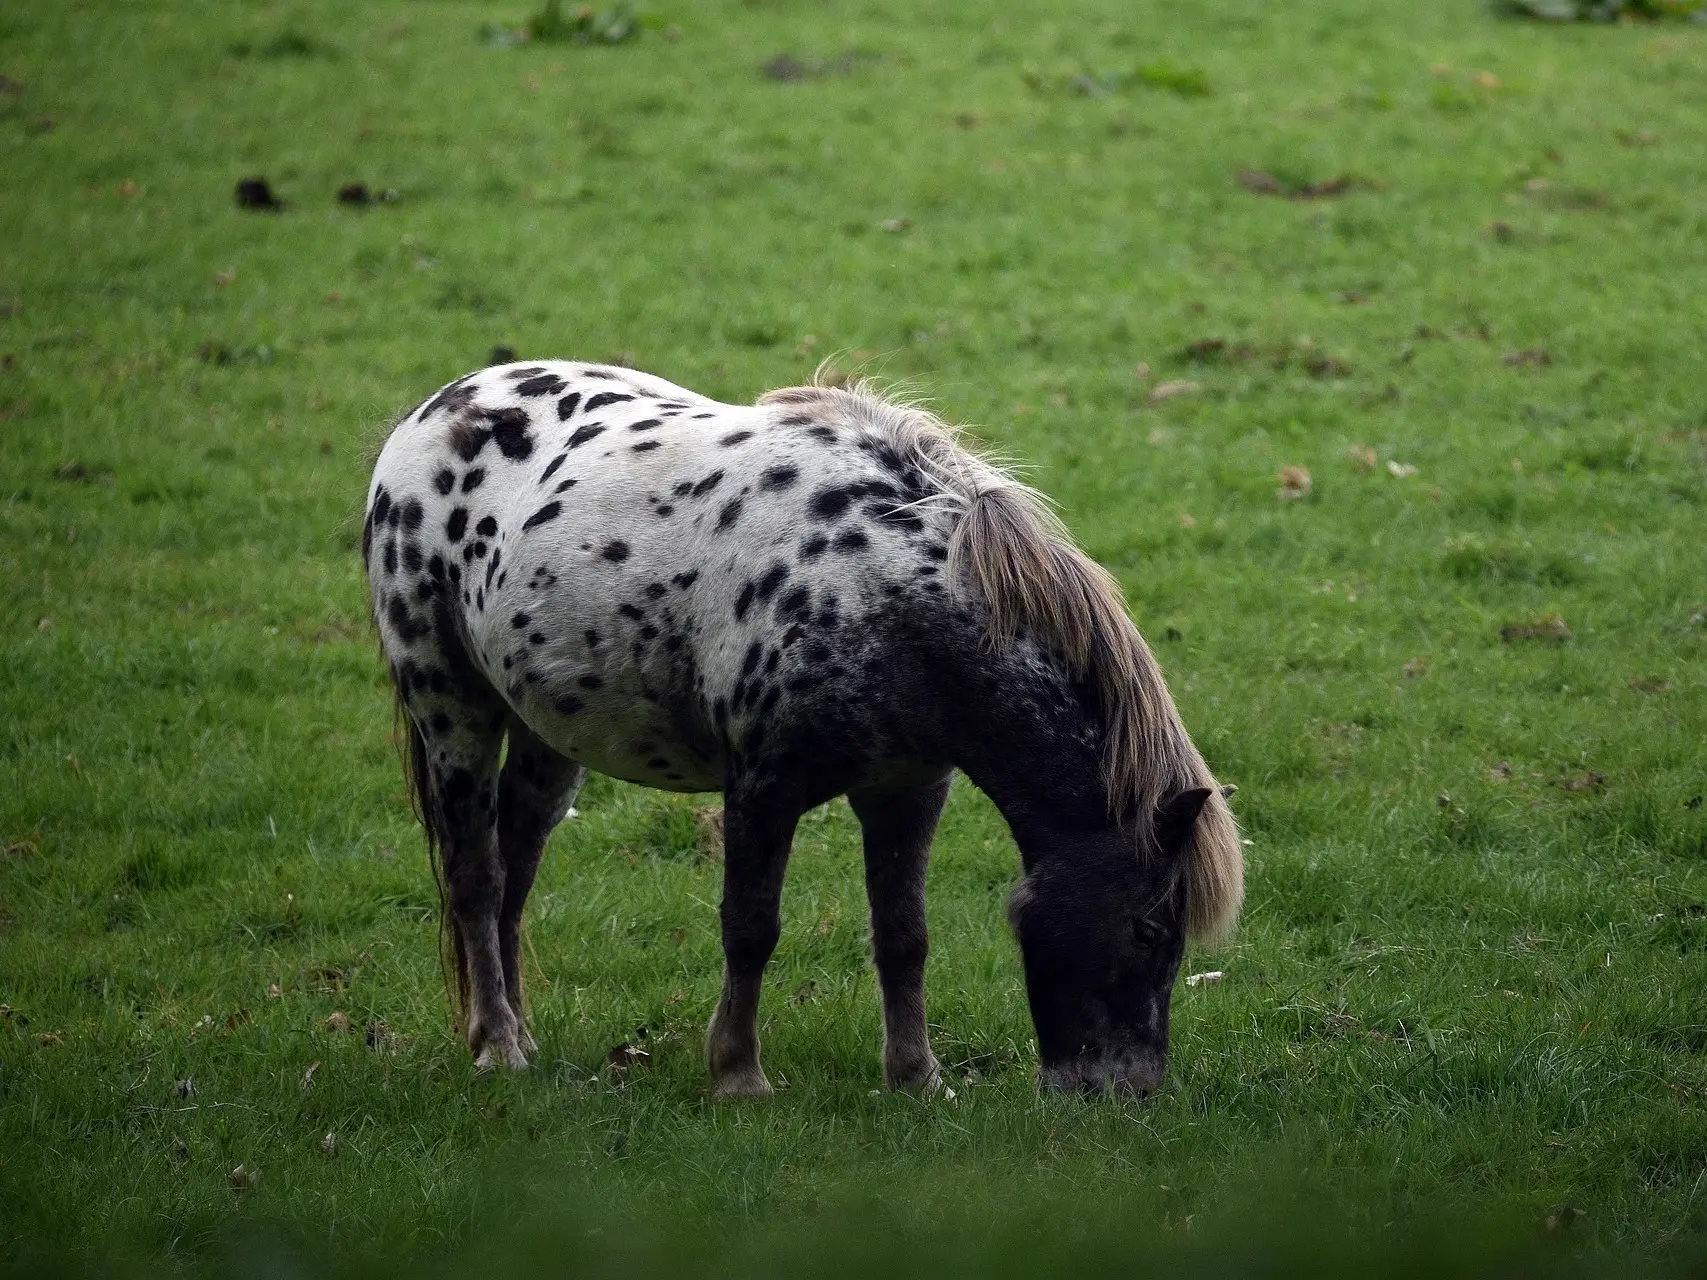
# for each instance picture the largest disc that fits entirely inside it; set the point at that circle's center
(741, 1086)
(920, 1086)
(494, 1054)
(528, 1043)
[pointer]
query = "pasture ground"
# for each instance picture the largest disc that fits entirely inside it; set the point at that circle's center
(1465, 703)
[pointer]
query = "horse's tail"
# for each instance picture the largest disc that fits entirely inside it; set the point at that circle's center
(425, 801)
(1019, 558)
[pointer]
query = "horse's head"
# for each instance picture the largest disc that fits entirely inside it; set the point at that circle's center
(1102, 933)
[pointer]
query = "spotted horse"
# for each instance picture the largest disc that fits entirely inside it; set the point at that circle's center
(825, 593)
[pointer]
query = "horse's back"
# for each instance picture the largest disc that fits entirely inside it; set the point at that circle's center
(656, 583)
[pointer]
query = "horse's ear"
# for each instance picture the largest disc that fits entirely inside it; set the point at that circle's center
(1176, 816)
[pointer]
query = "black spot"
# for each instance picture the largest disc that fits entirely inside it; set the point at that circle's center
(744, 601)
(436, 567)
(649, 632)
(510, 431)
(526, 371)
(616, 551)
(551, 470)
(550, 511)
(686, 580)
(606, 397)
(926, 570)
(479, 549)
(774, 577)
(750, 663)
(735, 437)
(590, 682)
(665, 510)
(591, 637)
(391, 556)
(729, 515)
(412, 515)
(568, 705)
(645, 446)
(630, 611)
(440, 722)
(548, 384)
(775, 478)
(412, 557)
(445, 481)
(457, 525)
(567, 405)
(585, 432)
(520, 621)
(813, 547)
(937, 552)
(487, 527)
(565, 485)
(827, 504)
(423, 590)
(408, 628)
(706, 485)
(791, 635)
(686, 487)
(796, 605)
(771, 661)
(772, 695)
(471, 481)
(655, 590)
(851, 540)
(646, 424)
(822, 433)
(536, 638)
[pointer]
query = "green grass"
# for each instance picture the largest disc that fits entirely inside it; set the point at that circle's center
(1472, 978)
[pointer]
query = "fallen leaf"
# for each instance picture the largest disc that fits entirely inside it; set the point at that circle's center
(1650, 684)
(1416, 668)
(1264, 184)
(1529, 356)
(1209, 979)
(1400, 470)
(1187, 520)
(1551, 627)
(1562, 1217)
(1502, 231)
(1141, 370)
(184, 1088)
(1174, 388)
(51, 1039)
(243, 1178)
(1294, 482)
(379, 1035)
(895, 225)
(1362, 457)
(308, 1074)
(1583, 782)
(329, 1145)
(223, 278)
(274, 991)
(678, 935)
(338, 1022)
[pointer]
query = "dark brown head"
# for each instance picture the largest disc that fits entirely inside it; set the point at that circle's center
(1101, 922)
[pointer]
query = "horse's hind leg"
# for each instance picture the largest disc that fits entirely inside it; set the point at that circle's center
(535, 790)
(898, 825)
(756, 839)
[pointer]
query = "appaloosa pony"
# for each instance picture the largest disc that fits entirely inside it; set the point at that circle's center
(822, 594)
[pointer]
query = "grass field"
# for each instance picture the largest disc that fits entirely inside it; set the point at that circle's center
(1449, 263)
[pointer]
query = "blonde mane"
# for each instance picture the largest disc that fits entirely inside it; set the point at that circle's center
(1015, 554)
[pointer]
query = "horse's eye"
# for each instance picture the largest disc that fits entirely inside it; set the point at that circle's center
(1147, 934)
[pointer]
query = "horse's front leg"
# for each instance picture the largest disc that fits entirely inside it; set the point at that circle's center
(756, 839)
(535, 790)
(898, 825)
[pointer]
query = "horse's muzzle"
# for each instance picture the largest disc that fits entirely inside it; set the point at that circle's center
(1124, 1073)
